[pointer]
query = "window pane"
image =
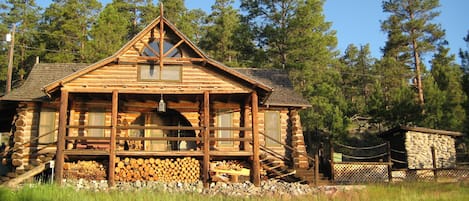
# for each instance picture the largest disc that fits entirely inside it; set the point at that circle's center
(272, 127)
(96, 118)
(149, 72)
(225, 120)
(47, 125)
(172, 73)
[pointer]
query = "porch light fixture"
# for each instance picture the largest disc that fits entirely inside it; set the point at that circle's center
(161, 105)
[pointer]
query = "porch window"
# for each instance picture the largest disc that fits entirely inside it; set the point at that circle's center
(225, 119)
(96, 118)
(47, 125)
(272, 128)
(153, 72)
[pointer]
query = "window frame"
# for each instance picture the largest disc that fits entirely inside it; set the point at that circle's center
(269, 132)
(222, 133)
(49, 116)
(96, 132)
(159, 71)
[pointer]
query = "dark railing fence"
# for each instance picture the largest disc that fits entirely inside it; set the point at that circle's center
(350, 164)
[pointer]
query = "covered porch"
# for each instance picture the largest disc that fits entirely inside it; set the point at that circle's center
(136, 125)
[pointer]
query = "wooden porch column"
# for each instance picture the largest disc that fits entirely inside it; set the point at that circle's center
(256, 166)
(112, 141)
(206, 136)
(59, 156)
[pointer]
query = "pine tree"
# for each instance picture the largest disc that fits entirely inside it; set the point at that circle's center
(270, 21)
(25, 15)
(68, 22)
(107, 35)
(222, 25)
(414, 34)
(187, 21)
(448, 109)
(310, 58)
(357, 78)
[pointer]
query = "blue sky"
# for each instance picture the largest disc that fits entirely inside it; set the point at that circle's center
(358, 21)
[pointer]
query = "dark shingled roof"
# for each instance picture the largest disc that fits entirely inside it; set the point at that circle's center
(283, 93)
(397, 130)
(41, 75)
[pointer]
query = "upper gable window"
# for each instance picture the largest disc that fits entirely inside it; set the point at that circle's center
(153, 50)
(152, 72)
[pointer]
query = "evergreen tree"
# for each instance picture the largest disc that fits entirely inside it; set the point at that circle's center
(107, 35)
(187, 21)
(410, 22)
(448, 107)
(310, 56)
(68, 22)
(222, 25)
(270, 21)
(25, 15)
(357, 78)
(464, 55)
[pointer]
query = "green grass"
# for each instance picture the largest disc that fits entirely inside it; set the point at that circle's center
(394, 192)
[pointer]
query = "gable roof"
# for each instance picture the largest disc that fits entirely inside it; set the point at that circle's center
(115, 57)
(40, 75)
(283, 93)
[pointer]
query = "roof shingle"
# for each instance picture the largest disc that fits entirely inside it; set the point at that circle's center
(41, 75)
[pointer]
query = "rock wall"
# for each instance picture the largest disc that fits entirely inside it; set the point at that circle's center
(419, 154)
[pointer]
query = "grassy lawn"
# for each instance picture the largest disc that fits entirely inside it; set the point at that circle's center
(394, 192)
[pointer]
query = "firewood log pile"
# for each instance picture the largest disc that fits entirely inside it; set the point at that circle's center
(227, 165)
(89, 170)
(150, 169)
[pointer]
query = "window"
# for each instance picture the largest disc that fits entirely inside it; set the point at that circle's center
(272, 128)
(225, 119)
(153, 49)
(152, 72)
(47, 125)
(96, 118)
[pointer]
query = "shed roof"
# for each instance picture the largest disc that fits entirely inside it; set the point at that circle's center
(392, 132)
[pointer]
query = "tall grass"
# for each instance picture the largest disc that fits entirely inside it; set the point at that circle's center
(384, 192)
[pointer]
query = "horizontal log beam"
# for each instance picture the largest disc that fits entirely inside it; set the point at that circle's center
(86, 152)
(161, 138)
(159, 153)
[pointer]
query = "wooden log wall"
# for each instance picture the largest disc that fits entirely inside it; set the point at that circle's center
(298, 142)
(197, 79)
(281, 150)
(185, 169)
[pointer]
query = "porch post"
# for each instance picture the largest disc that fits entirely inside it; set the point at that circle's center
(206, 136)
(256, 177)
(59, 157)
(112, 141)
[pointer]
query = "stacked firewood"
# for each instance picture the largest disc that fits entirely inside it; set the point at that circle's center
(150, 169)
(89, 170)
(227, 165)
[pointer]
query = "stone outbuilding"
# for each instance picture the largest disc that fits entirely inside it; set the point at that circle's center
(416, 147)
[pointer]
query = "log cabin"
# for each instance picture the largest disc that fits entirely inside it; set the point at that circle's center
(159, 96)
